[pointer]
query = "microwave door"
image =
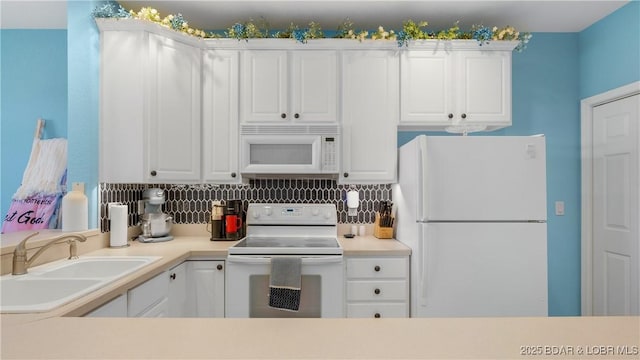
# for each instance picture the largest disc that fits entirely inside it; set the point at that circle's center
(280, 154)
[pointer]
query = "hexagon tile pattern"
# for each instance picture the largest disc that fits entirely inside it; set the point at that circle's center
(191, 204)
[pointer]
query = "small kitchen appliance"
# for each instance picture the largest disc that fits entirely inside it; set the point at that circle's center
(473, 209)
(304, 231)
(155, 224)
(217, 220)
(234, 220)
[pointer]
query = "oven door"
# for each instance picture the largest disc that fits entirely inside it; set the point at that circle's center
(247, 287)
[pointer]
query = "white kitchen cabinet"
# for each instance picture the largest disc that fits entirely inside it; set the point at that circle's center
(206, 288)
(114, 308)
(178, 296)
(443, 88)
(220, 116)
(281, 86)
(174, 123)
(149, 298)
(149, 109)
(377, 286)
(370, 108)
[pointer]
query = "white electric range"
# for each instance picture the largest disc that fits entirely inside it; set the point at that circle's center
(308, 231)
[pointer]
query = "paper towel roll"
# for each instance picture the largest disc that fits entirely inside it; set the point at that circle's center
(118, 215)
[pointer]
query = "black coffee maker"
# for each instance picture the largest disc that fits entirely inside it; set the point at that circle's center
(227, 220)
(234, 220)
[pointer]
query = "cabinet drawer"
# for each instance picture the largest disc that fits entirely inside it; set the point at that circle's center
(395, 310)
(147, 294)
(376, 290)
(377, 268)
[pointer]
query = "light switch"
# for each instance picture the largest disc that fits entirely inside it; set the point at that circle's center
(559, 208)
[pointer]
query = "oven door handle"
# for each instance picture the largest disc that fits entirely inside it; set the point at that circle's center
(316, 260)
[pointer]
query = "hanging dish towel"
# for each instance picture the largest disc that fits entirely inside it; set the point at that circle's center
(36, 203)
(284, 284)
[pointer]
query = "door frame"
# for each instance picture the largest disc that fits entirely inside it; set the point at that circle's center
(586, 122)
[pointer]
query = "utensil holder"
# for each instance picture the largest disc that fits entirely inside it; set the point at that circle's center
(381, 232)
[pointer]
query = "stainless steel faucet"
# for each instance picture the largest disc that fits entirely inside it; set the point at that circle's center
(20, 261)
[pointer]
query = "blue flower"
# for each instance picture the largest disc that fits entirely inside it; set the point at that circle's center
(300, 35)
(482, 34)
(177, 21)
(403, 38)
(110, 10)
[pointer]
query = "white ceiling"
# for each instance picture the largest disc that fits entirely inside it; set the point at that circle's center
(531, 16)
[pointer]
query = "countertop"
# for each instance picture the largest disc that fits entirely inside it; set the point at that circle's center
(59, 334)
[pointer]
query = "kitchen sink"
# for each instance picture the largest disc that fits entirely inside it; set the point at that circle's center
(51, 285)
(93, 268)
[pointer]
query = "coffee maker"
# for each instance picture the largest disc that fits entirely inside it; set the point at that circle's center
(227, 220)
(155, 224)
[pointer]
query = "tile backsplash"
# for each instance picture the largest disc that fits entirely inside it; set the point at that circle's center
(191, 204)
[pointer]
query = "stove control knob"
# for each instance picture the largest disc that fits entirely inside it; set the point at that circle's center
(315, 212)
(268, 211)
(327, 215)
(256, 214)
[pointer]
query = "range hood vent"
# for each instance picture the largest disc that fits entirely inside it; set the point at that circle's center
(289, 129)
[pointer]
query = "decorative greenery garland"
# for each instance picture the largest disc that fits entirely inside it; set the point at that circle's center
(255, 30)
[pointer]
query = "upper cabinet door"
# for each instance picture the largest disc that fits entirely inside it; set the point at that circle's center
(173, 126)
(484, 87)
(264, 86)
(457, 90)
(220, 116)
(289, 86)
(426, 93)
(370, 111)
(314, 86)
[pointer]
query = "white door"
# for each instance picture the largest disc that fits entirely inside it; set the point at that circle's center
(480, 269)
(616, 280)
(220, 116)
(264, 86)
(370, 111)
(314, 86)
(174, 111)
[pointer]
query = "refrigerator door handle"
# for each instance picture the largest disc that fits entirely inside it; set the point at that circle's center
(423, 270)
(422, 210)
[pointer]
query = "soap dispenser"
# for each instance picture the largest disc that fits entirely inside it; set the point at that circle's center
(75, 209)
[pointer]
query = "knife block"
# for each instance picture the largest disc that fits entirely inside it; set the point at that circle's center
(381, 232)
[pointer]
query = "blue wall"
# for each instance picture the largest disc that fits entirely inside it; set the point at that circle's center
(84, 100)
(546, 101)
(34, 85)
(610, 51)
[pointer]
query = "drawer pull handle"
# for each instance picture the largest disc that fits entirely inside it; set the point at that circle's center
(377, 291)
(376, 268)
(219, 267)
(376, 315)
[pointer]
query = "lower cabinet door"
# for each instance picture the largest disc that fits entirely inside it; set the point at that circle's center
(160, 309)
(377, 310)
(114, 308)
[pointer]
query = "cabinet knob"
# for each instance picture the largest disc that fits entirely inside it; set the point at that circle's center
(376, 268)
(464, 116)
(283, 115)
(154, 173)
(450, 116)
(376, 315)
(345, 174)
(233, 175)
(377, 291)
(296, 115)
(172, 276)
(219, 267)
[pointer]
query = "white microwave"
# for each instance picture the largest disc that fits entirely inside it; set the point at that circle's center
(289, 150)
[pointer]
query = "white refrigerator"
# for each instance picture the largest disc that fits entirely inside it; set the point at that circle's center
(473, 211)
